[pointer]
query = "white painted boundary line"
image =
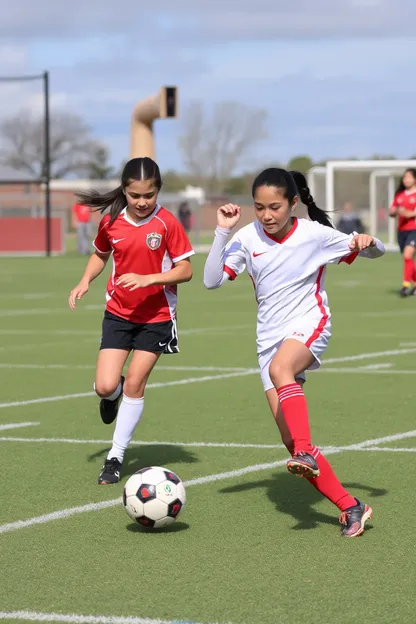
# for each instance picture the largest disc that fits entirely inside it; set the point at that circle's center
(72, 618)
(238, 373)
(164, 384)
(367, 356)
(147, 443)
(92, 367)
(367, 371)
(66, 513)
(18, 425)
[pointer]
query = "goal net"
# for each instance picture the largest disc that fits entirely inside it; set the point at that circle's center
(363, 187)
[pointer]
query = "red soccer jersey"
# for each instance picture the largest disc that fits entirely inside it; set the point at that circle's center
(153, 245)
(407, 201)
(82, 213)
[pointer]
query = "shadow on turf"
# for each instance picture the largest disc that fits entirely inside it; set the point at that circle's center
(142, 456)
(296, 498)
(172, 528)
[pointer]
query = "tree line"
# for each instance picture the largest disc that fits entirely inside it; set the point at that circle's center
(214, 145)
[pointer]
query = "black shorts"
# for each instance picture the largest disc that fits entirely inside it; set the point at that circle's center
(406, 239)
(153, 337)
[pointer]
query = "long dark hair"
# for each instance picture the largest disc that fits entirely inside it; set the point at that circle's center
(136, 169)
(294, 184)
(401, 186)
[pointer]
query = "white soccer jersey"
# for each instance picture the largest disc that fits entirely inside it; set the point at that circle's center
(288, 275)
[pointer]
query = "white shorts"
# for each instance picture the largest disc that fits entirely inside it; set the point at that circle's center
(307, 333)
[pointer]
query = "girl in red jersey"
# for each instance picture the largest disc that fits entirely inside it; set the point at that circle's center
(404, 206)
(151, 255)
(286, 259)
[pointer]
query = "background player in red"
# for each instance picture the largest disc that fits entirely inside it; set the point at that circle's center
(286, 259)
(81, 222)
(404, 206)
(151, 255)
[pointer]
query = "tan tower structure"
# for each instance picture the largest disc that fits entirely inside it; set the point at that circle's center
(163, 105)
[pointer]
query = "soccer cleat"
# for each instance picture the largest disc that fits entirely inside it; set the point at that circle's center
(406, 291)
(354, 519)
(111, 472)
(109, 409)
(303, 465)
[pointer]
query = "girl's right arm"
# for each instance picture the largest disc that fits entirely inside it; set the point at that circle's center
(214, 274)
(95, 266)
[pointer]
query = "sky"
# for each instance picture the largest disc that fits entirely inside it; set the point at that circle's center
(335, 77)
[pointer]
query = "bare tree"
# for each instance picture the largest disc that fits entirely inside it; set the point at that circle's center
(213, 147)
(22, 144)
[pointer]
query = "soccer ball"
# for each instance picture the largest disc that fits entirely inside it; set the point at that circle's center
(154, 497)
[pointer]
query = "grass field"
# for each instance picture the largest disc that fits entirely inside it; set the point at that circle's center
(254, 545)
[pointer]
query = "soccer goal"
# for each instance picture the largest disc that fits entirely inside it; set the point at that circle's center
(367, 185)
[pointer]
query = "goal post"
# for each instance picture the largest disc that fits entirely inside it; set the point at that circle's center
(372, 177)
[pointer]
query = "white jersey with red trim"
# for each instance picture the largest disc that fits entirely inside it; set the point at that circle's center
(153, 245)
(288, 275)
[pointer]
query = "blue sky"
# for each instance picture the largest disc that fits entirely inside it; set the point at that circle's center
(336, 78)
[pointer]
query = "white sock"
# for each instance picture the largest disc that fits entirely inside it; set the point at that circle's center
(115, 395)
(128, 417)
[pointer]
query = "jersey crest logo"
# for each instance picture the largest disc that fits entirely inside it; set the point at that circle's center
(153, 240)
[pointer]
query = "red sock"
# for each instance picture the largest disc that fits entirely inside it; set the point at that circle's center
(328, 484)
(295, 412)
(408, 270)
(414, 274)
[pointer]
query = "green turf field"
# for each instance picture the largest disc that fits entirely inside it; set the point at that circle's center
(251, 547)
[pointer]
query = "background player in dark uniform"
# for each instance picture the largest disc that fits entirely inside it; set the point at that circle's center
(151, 255)
(404, 206)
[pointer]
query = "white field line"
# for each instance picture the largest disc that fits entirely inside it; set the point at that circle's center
(367, 371)
(146, 443)
(242, 373)
(66, 513)
(387, 449)
(367, 356)
(377, 366)
(164, 384)
(92, 367)
(73, 618)
(18, 425)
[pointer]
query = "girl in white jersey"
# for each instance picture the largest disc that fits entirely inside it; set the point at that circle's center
(286, 259)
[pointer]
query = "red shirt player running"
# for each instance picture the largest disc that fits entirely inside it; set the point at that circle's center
(286, 259)
(151, 255)
(404, 206)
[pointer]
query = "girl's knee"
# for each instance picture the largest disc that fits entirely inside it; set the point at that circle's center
(105, 388)
(134, 388)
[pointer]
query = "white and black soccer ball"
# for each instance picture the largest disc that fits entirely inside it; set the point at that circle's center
(154, 497)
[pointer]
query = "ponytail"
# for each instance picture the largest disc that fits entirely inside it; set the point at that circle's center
(315, 213)
(100, 202)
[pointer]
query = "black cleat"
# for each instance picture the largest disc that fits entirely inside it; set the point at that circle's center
(109, 409)
(111, 472)
(406, 291)
(303, 465)
(354, 519)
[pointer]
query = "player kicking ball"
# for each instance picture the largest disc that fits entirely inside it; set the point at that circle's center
(151, 255)
(286, 259)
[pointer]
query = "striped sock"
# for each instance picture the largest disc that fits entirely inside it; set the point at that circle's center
(295, 412)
